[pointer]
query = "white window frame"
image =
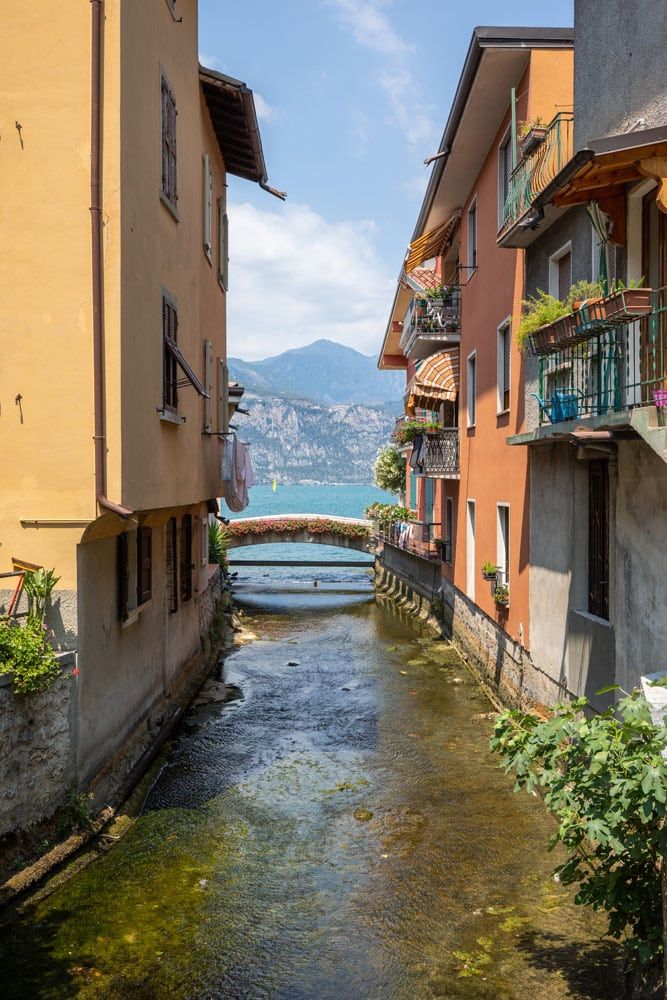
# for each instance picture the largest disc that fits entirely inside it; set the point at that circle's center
(207, 210)
(505, 142)
(471, 397)
(471, 215)
(470, 547)
(223, 242)
(504, 327)
(553, 267)
(503, 544)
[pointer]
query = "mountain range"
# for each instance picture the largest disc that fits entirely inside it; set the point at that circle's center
(317, 414)
(323, 371)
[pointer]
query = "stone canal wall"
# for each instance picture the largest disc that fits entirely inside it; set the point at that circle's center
(416, 586)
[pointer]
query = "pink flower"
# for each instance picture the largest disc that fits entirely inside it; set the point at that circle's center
(75, 672)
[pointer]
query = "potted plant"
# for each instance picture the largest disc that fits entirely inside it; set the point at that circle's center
(546, 323)
(531, 135)
(501, 595)
(489, 571)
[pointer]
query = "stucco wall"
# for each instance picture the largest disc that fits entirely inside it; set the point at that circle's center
(36, 763)
(641, 557)
(619, 63)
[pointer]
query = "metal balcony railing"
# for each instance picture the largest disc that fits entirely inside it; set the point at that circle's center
(614, 369)
(430, 321)
(441, 453)
(539, 168)
(417, 537)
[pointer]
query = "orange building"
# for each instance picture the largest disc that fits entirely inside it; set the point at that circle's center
(469, 491)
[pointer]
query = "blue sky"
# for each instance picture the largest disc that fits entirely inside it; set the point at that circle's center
(352, 95)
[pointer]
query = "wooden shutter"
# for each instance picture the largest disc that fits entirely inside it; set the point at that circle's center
(170, 373)
(564, 276)
(506, 368)
(186, 557)
(123, 570)
(172, 565)
(207, 182)
(144, 564)
(223, 243)
(168, 143)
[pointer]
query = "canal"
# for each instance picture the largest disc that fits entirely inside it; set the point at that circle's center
(337, 830)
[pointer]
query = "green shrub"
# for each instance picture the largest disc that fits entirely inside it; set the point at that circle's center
(539, 309)
(605, 780)
(217, 544)
(389, 469)
(26, 654)
(38, 585)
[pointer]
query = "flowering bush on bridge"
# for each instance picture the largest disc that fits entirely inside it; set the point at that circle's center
(388, 513)
(292, 525)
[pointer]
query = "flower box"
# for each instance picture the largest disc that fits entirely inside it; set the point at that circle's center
(621, 307)
(551, 338)
(533, 139)
(660, 398)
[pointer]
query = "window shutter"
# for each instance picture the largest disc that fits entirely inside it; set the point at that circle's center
(186, 557)
(223, 243)
(172, 565)
(206, 196)
(144, 564)
(506, 367)
(564, 276)
(123, 567)
(208, 379)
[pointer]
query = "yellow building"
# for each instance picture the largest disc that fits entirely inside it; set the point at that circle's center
(115, 145)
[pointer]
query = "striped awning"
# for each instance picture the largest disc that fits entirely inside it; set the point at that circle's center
(436, 382)
(432, 243)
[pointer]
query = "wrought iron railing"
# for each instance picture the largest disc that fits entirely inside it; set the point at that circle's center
(615, 369)
(421, 538)
(434, 319)
(441, 453)
(538, 169)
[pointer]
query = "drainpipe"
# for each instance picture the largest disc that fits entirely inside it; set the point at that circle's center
(100, 437)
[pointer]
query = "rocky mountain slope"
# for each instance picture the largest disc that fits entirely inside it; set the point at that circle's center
(300, 441)
(323, 371)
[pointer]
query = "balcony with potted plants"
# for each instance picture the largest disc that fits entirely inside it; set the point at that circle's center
(544, 150)
(431, 322)
(436, 449)
(602, 356)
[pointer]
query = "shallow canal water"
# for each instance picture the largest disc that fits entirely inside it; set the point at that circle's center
(338, 831)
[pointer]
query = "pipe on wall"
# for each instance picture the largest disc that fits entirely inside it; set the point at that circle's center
(100, 437)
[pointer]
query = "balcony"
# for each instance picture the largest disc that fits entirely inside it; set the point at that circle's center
(431, 323)
(537, 169)
(441, 454)
(608, 365)
(417, 537)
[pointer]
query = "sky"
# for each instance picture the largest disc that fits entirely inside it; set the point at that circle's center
(351, 96)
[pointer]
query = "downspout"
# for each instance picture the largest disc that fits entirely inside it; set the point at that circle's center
(100, 437)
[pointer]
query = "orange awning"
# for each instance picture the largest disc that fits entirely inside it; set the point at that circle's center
(432, 243)
(436, 382)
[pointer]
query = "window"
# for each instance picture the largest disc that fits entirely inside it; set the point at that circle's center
(186, 557)
(134, 563)
(598, 538)
(169, 364)
(207, 195)
(504, 174)
(223, 243)
(471, 389)
(449, 529)
(413, 491)
(503, 544)
(560, 273)
(503, 383)
(470, 550)
(429, 500)
(472, 235)
(168, 145)
(208, 385)
(172, 565)
(144, 564)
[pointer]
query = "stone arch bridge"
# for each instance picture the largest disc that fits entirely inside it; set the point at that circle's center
(318, 529)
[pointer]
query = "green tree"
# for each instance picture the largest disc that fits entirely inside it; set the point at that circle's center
(605, 780)
(389, 469)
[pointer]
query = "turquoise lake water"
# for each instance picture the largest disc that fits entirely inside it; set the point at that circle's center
(344, 501)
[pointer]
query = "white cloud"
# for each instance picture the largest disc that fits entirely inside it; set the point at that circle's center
(211, 62)
(265, 111)
(372, 29)
(296, 278)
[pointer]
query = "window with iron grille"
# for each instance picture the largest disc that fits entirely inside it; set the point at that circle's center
(168, 144)
(144, 564)
(598, 538)
(186, 557)
(172, 565)
(504, 174)
(169, 373)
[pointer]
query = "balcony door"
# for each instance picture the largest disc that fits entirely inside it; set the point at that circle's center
(654, 270)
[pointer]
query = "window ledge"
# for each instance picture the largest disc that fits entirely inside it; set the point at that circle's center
(503, 413)
(134, 614)
(169, 205)
(167, 417)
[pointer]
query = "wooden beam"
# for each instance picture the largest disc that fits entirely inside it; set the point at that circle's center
(656, 166)
(615, 207)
